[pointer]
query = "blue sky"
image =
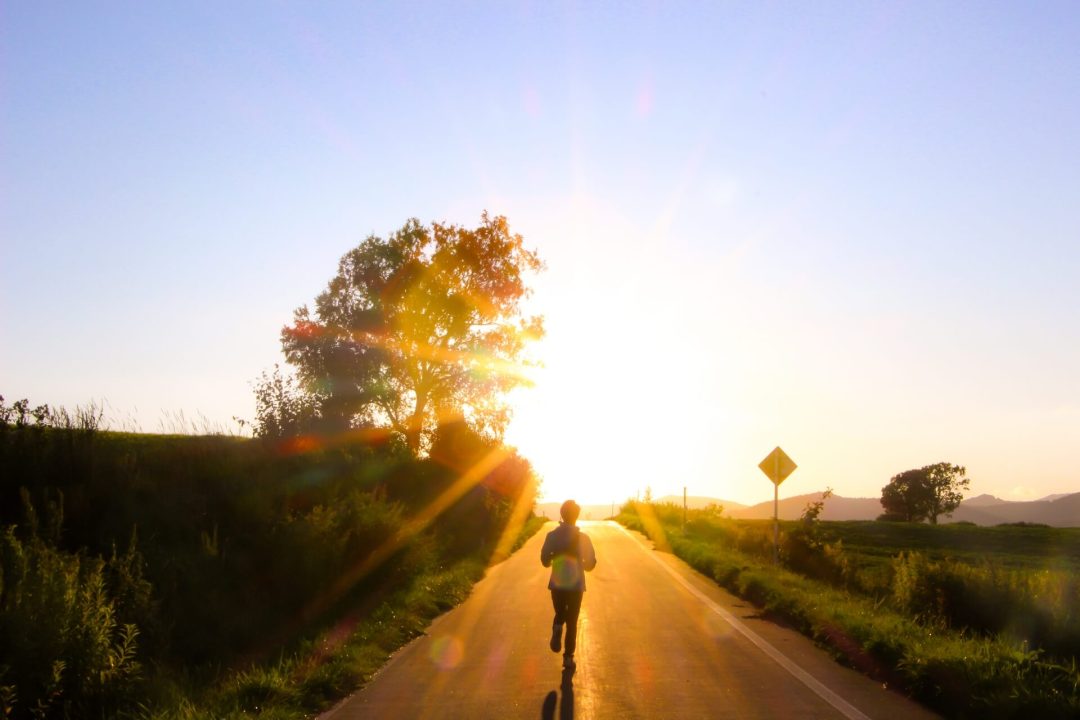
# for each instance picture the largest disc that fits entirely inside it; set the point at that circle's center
(852, 230)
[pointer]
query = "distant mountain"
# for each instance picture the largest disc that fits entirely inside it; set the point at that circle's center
(980, 515)
(1058, 496)
(791, 508)
(983, 501)
(1063, 510)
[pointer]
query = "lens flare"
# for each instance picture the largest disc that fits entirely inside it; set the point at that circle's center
(446, 652)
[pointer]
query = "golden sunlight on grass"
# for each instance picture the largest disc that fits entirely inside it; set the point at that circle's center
(653, 527)
(412, 527)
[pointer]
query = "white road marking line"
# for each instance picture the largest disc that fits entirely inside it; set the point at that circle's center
(843, 706)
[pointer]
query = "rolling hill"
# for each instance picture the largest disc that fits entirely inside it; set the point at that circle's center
(1064, 511)
(836, 508)
(1061, 510)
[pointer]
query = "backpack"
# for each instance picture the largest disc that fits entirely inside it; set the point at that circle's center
(573, 548)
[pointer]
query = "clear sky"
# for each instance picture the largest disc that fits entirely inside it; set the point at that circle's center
(851, 229)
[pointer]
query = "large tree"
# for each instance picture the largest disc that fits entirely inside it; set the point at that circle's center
(422, 325)
(925, 493)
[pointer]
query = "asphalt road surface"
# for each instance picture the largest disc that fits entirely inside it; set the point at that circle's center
(655, 640)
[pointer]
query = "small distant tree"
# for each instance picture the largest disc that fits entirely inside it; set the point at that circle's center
(712, 510)
(946, 484)
(20, 413)
(282, 409)
(905, 497)
(925, 493)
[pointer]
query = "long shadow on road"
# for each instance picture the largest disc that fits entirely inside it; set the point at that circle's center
(566, 706)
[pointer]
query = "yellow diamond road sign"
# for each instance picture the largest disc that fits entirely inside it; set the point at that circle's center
(777, 465)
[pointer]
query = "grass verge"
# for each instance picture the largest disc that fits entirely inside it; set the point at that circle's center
(337, 663)
(955, 673)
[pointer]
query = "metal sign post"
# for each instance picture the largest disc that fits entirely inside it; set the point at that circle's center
(777, 466)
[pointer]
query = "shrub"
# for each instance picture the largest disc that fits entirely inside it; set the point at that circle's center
(1039, 608)
(810, 554)
(64, 652)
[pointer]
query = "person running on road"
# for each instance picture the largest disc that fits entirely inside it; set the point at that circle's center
(569, 553)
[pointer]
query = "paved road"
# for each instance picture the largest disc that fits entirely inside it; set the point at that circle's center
(655, 640)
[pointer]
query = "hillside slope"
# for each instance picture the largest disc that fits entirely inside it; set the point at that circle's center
(1064, 511)
(1061, 511)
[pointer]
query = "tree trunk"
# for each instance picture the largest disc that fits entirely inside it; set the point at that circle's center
(415, 427)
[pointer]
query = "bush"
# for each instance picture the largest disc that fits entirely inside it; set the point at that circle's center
(1039, 609)
(807, 552)
(62, 651)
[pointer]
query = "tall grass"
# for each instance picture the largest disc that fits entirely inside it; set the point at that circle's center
(65, 653)
(1037, 608)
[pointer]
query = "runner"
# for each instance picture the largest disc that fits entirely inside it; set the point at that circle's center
(569, 553)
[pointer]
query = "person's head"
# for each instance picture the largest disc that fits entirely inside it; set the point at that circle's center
(570, 511)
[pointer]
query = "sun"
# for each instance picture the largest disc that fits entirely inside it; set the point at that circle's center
(626, 397)
(585, 424)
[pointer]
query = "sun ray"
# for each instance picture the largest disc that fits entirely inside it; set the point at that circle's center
(519, 515)
(445, 355)
(653, 527)
(410, 529)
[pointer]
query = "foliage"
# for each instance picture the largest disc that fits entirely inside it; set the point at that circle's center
(713, 510)
(19, 414)
(335, 663)
(813, 509)
(420, 325)
(808, 550)
(926, 493)
(905, 497)
(1040, 609)
(896, 638)
(328, 666)
(196, 527)
(947, 483)
(282, 409)
(1015, 582)
(63, 652)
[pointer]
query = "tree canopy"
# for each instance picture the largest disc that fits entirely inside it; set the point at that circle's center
(422, 325)
(925, 493)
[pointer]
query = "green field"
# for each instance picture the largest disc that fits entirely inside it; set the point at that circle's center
(1014, 546)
